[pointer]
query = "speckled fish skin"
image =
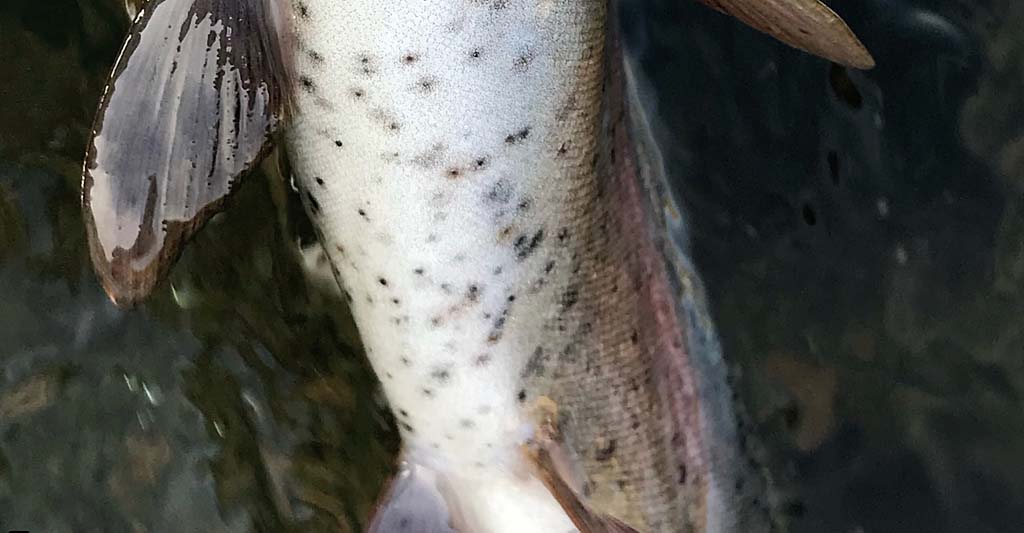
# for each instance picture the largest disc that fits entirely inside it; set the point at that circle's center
(476, 176)
(491, 203)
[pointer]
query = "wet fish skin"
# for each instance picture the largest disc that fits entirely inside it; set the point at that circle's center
(473, 172)
(489, 198)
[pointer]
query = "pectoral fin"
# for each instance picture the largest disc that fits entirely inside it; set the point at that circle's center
(545, 455)
(193, 99)
(805, 24)
(583, 517)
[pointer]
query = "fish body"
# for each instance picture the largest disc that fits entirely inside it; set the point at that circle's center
(455, 159)
(484, 186)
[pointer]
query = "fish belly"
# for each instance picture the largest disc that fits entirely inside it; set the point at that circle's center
(438, 147)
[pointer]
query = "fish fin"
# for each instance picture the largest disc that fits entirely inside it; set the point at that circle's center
(583, 517)
(547, 457)
(191, 105)
(805, 24)
(416, 501)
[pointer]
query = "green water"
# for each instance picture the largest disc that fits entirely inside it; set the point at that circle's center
(861, 234)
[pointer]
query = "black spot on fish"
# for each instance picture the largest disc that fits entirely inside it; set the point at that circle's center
(358, 94)
(522, 62)
(518, 137)
(563, 235)
(572, 349)
(362, 213)
(383, 282)
(315, 56)
(569, 298)
(410, 58)
(366, 65)
(406, 426)
(441, 375)
(319, 181)
(482, 360)
(476, 53)
(429, 393)
(307, 84)
(302, 10)
(500, 192)
(426, 84)
(524, 246)
(418, 271)
(498, 327)
(606, 452)
(521, 396)
(535, 365)
(338, 143)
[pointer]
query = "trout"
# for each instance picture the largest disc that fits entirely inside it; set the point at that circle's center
(483, 181)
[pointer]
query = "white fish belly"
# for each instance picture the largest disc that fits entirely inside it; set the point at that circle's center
(433, 146)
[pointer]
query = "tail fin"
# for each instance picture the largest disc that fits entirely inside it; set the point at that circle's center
(416, 502)
(534, 499)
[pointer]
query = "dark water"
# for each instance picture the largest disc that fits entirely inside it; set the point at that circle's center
(861, 234)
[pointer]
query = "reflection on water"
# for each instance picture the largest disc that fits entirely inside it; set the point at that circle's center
(862, 236)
